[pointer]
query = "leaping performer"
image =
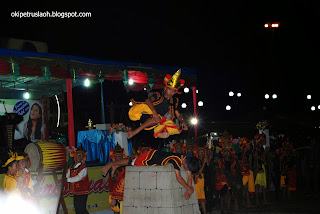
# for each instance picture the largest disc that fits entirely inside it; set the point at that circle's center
(159, 110)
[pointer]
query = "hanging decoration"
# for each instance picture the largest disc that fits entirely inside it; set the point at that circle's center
(125, 78)
(101, 77)
(151, 83)
(14, 67)
(74, 75)
(46, 72)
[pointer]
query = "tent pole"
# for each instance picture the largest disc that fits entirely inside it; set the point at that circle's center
(195, 111)
(102, 106)
(70, 113)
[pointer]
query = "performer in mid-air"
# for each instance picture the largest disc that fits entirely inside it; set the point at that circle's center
(159, 110)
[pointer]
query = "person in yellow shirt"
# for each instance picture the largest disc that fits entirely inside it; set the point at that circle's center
(10, 180)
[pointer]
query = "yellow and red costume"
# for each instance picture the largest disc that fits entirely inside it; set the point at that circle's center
(10, 184)
(140, 111)
(226, 143)
(261, 178)
(198, 178)
(247, 173)
(116, 183)
(155, 157)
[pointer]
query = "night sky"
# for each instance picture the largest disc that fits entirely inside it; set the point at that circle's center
(225, 41)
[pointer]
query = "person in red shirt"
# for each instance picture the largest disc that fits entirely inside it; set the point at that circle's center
(77, 176)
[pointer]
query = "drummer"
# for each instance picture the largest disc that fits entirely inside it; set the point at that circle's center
(77, 175)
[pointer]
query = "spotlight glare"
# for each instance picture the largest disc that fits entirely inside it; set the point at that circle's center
(318, 106)
(313, 108)
(197, 91)
(228, 108)
(194, 121)
(309, 97)
(231, 93)
(130, 104)
(87, 82)
(26, 95)
(266, 25)
(266, 96)
(183, 105)
(186, 90)
(274, 96)
(200, 103)
(130, 81)
(239, 94)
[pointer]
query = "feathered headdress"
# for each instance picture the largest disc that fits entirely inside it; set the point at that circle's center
(115, 151)
(244, 142)
(225, 137)
(173, 146)
(174, 81)
(12, 157)
(76, 150)
(198, 148)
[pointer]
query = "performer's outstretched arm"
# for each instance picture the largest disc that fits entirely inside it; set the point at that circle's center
(114, 165)
(184, 184)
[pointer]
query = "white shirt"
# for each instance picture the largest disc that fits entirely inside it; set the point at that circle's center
(79, 177)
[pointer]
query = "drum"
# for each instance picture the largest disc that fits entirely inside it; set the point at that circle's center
(51, 154)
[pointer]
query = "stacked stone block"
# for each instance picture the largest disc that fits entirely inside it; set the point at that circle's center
(155, 190)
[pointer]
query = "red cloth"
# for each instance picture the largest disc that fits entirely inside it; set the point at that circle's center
(80, 187)
(32, 71)
(141, 158)
(4, 67)
(70, 114)
(59, 73)
(118, 190)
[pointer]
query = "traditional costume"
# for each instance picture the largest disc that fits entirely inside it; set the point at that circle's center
(164, 107)
(288, 172)
(174, 146)
(245, 168)
(77, 176)
(10, 185)
(261, 178)
(155, 157)
(116, 183)
(24, 181)
(199, 177)
(226, 177)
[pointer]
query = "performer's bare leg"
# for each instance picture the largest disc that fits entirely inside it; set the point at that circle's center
(149, 122)
(163, 135)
